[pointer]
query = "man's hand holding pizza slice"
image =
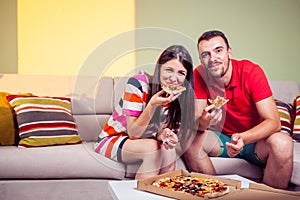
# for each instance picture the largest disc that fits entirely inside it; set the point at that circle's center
(212, 113)
(218, 101)
(216, 111)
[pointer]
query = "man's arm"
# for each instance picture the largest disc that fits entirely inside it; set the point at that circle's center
(271, 123)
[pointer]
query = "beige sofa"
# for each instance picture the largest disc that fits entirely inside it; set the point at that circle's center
(93, 101)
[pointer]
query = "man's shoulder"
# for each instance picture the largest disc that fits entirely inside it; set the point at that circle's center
(245, 65)
(243, 62)
(200, 69)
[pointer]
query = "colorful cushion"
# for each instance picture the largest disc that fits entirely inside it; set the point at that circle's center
(44, 121)
(8, 131)
(296, 129)
(285, 111)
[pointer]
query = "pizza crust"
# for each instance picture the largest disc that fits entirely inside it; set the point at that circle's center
(173, 89)
(217, 194)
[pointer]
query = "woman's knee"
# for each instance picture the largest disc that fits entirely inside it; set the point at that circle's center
(152, 150)
(152, 145)
(168, 153)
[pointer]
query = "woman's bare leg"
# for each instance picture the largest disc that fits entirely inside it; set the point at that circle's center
(154, 158)
(169, 160)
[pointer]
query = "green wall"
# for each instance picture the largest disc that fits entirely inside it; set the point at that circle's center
(264, 31)
(8, 36)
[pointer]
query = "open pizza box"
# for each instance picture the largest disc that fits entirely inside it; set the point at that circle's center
(262, 189)
(146, 185)
(256, 191)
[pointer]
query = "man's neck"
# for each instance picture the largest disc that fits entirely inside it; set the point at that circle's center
(226, 78)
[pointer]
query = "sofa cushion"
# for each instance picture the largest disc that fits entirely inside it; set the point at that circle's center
(57, 162)
(44, 121)
(89, 126)
(295, 179)
(296, 128)
(285, 111)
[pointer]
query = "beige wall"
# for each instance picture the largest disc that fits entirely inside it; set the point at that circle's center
(58, 36)
(8, 36)
(265, 31)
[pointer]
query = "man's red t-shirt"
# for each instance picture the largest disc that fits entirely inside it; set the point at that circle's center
(248, 85)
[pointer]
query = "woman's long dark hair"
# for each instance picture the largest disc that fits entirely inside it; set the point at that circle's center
(181, 111)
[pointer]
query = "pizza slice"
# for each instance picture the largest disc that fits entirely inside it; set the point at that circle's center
(218, 101)
(173, 89)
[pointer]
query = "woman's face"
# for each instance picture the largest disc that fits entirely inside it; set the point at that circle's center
(172, 72)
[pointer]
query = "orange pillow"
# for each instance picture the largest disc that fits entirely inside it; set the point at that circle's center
(8, 130)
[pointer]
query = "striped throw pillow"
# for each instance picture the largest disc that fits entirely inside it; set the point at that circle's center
(285, 113)
(44, 121)
(296, 129)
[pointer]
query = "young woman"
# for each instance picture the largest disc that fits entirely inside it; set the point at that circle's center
(148, 123)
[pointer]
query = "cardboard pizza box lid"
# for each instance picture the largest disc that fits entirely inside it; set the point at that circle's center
(263, 187)
(146, 185)
(250, 194)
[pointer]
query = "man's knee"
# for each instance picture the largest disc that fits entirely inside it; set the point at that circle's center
(280, 141)
(281, 145)
(191, 151)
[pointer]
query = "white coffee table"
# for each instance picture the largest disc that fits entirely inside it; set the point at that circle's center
(127, 189)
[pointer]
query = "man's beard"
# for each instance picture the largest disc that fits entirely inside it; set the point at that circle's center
(227, 68)
(217, 73)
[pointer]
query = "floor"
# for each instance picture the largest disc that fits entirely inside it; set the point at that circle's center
(71, 189)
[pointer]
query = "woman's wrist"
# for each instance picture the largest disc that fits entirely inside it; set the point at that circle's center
(156, 135)
(203, 127)
(199, 130)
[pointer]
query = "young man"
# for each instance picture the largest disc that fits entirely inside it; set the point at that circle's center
(248, 126)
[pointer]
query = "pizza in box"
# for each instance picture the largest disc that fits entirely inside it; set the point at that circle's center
(193, 185)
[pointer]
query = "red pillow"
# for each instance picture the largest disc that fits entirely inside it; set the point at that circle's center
(296, 128)
(285, 111)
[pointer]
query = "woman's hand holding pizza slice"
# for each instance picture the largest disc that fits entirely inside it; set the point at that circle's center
(173, 89)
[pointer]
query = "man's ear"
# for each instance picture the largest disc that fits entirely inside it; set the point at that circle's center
(230, 53)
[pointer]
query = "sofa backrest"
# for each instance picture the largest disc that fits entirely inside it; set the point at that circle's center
(284, 90)
(94, 98)
(86, 92)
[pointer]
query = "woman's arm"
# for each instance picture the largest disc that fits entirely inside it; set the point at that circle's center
(136, 126)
